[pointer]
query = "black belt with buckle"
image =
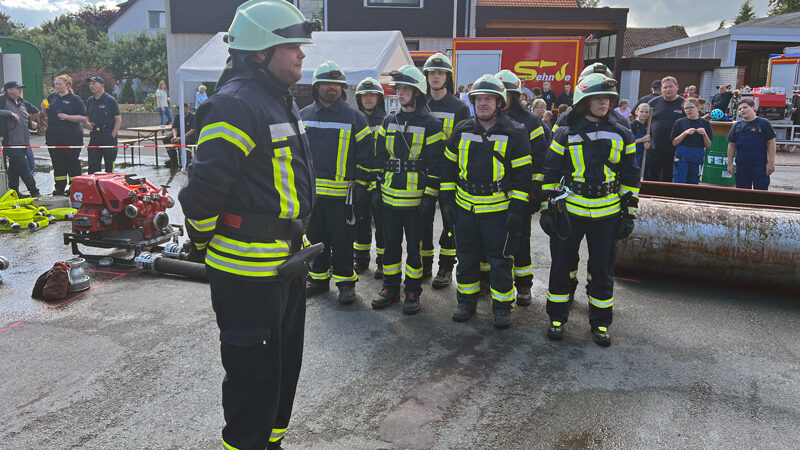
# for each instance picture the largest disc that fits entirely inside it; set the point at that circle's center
(593, 190)
(481, 188)
(398, 166)
(264, 228)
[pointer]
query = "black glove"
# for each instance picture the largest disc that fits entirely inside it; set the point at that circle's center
(361, 202)
(193, 254)
(536, 204)
(427, 208)
(515, 222)
(625, 226)
(447, 203)
(547, 221)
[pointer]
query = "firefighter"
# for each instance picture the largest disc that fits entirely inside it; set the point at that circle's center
(486, 185)
(247, 198)
(523, 269)
(590, 188)
(370, 101)
(104, 121)
(409, 151)
(448, 108)
(340, 139)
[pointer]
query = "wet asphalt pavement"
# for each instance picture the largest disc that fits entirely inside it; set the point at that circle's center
(134, 363)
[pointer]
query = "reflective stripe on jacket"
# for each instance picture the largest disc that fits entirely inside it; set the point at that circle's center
(450, 110)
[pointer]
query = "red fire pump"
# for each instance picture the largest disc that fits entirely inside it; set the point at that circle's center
(119, 211)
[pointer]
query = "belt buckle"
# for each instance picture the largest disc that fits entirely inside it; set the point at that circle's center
(398, 166)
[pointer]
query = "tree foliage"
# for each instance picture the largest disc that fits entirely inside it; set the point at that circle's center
(7, 27)
(777, 7)
(722, 24)
(81, 86)
(95, 16)
(746, 13)
(139, 56)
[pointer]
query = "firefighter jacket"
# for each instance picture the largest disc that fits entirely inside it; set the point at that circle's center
(538, 141)
(609, 160)
(496, 160)
(252, 158)
(450, 110)
(374, 121)
(416, 137)
(340, 140)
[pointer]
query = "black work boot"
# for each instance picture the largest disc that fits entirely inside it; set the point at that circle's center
(427, 268)
(443, 278)
(600, 336)
(463, 313)
(411, 305)
(360, 266)
(314, 287)
(385, 299)
(347, 294)
(556, 331)
(502, 318)
(524, 297)
(378, 275)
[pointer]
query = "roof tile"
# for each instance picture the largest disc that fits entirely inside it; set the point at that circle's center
(638, 38)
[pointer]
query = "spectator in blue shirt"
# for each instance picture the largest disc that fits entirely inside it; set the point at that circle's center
(752, 140)
(691, 136)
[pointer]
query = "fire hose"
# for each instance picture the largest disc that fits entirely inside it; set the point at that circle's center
(16, 213)
(159, 263)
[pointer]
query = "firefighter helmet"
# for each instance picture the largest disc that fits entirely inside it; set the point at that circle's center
(329, 72)
(596, 68)
(488, 84)
(410, 76)
(262, 24)
(369, 84)
(510, 80)
(438, 61)
(595, 84)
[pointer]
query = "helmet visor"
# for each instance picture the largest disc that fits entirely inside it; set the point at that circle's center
(400, 77)
(300, 30)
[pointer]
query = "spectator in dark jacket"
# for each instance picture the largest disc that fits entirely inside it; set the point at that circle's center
(566, 97)
(548, 95)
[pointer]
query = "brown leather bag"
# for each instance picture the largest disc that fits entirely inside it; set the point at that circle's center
(53, 284)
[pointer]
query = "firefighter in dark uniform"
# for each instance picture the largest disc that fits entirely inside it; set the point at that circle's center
(104, 121)
(448, 108)
(248, 195)
(370, 101)
(340, 141)
(486, 185)
(591, 189)
(523, 268)
(409, 152)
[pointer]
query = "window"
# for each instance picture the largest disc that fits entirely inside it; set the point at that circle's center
(395, 3)
(412, 45)
(155, 20)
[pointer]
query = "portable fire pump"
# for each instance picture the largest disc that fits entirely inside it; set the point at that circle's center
(119, 211)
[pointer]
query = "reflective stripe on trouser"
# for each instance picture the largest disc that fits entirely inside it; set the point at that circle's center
(328, 225)
(99, 155)
(447, 244)
(479, 235)
(363, 235)
(573, 270)
(602, 243)
(261, 332)
(66, 162)
(523, 270)
(396, 223)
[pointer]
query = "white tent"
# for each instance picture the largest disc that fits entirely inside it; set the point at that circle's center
(360, 54)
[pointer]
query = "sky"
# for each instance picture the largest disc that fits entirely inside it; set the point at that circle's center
(697, 16)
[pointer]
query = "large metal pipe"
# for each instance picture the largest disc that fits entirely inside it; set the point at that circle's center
(712, 233)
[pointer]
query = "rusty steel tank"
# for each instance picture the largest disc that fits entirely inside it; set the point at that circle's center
(731, 235)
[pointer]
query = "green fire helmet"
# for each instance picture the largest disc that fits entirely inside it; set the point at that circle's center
(510, 80)
(438, 61)
(262, 24)
(329, 72)
(409, 76)
(595, 84)
(488, 84)
(596, 68)
(369, 84)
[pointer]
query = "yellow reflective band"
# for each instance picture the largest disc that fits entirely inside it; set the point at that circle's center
(632, 211)
(520, 195)
(630, 148)
(340, 279)
(463, 146)
(228, 446)
(283, 180)
(616, 151)
(434, 138)
(499, 169)
(341, 156)
(536, 133)
(556, 298)
(549, 186)
(503, 296)
(412, 272)
(200, 245)
(538, 177)
(481, 209)
(426, 253)
(447, 187)
(623, 189)
(277, 434)
(519, 162)
(447, 252)
(244, 268)
(576, 154)
(485, 266)
(481, 199)
(320, 275)
(555, 127)
(203, 225)
(431, 191)
(573, 274)
(332, 188)
(362, 134)
(278, 249)
(556, 147)
(391, 269)
(362, 247)
(379, 250)
(450, 155)
(601, 303)
(228, 132)
(469, 288)
(588, 276)
(381, 131)
(523, 271)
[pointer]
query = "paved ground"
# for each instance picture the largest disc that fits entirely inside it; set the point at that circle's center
(134, 363)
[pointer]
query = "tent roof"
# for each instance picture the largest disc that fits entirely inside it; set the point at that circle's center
(360, 54)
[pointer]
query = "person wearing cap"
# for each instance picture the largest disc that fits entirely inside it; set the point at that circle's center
(173, 139)
(655, 91)
(408, 153)
(485, 191)
(446, 107)
(591, 189)
(247, 198)
(523, 268)
(65, 114)
(370, 101)
(342, 148)
(103, 119)
(16, 116)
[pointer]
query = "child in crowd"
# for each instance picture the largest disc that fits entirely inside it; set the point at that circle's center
(703, 107)
(752, 140)
(639, 129)
(691, 135)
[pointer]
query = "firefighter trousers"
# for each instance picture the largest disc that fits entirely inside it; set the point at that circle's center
(261, 343)
(396, 223)
(601, 240)
(523, 267)
(363, 242)
(66, 162)
(99, 155)
(328, 225)
(479, 236)
(447, 245)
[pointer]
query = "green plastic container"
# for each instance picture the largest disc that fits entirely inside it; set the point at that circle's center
(715, 166)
